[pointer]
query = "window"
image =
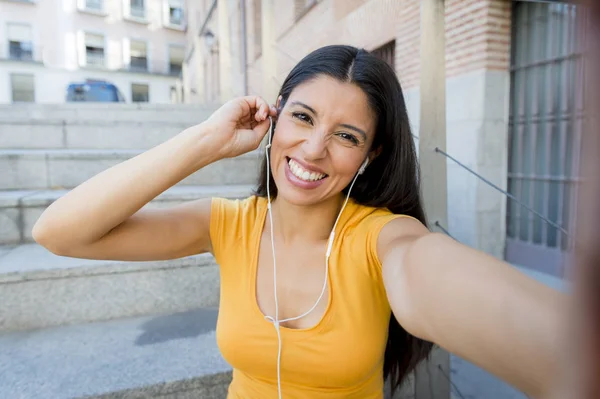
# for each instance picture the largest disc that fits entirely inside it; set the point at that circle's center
(20, 44)
(22, 87)
(176, 55)
(94, 5)
(137, 8)
(387, 53)
(257, 29)
(140, 93)
(175, 12)
(139, 56)
(94, 49)
(544, 132)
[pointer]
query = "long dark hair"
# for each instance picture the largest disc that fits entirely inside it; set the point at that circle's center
(390, 181)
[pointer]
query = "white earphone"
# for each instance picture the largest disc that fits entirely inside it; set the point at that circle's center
(275, 320)
(362, 168)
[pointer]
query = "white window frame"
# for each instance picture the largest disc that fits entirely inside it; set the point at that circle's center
(147, 84)
(167, 17)
(169, 45)
(7, 40)
(82, 7)
(82, 54)
(129, 17)
(11, 88)
(127, 53)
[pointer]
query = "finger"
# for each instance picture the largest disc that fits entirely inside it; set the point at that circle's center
(261, 129)
(264, 107)
(263, 112)
(272, 110)
(259, 116)
(254, 102)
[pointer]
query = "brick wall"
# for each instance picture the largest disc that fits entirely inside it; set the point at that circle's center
(408, 44)
(477, 37)
(477, 33)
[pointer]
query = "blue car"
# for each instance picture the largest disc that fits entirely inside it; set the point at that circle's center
(94, 91)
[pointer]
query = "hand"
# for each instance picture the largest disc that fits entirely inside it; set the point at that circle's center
(239, 125)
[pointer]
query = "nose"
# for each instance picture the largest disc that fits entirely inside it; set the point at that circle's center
(315, 146)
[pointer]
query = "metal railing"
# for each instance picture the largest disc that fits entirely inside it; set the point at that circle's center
(15, 51)
(20, 53)
(94, 59)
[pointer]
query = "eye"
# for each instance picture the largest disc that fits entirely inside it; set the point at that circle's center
(302, 116)
(349, 137)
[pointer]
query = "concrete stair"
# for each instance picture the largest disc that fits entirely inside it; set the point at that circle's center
(114, 329)
(100, 134)
(91, 112)
(20, 209)
(171, 356)
(66, 168)
(39, 289)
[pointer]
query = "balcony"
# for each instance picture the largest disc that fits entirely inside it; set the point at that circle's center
(151, 66)
(21, 52)
(174, 69)
(18, 53)
(95, 60)
(138, 64)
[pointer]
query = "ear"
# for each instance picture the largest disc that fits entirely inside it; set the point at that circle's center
(278, 104)
(374, 154)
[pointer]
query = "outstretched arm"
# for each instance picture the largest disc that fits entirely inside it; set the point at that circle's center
(473, 305)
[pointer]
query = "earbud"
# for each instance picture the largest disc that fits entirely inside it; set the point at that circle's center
(362, 168)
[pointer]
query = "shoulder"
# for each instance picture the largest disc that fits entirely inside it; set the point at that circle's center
(380, 229)
(233, 221)
(228, 215)
(232, 207)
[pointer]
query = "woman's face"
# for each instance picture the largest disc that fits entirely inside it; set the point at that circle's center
(323, 135)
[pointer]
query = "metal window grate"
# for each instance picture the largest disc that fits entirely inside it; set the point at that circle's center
(545, 120)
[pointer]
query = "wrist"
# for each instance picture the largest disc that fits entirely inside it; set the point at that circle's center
(198, 145)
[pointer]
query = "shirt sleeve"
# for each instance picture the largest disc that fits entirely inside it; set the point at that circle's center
(223, 214)
(373, 227)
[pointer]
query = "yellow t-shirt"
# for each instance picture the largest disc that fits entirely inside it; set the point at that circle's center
(340, 357)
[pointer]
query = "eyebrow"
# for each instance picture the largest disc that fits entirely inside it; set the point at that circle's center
(347, 126)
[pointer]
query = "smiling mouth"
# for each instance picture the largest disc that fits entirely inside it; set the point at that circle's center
(303, 174)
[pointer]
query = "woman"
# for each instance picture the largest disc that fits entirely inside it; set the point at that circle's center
(305, 313)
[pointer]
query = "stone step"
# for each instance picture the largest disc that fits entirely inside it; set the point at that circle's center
(70, 112)
(39, 289)
(20, 209)
(172, 356)
(90, 134)
(64, 168)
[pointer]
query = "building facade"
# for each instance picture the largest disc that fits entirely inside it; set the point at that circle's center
(137, 45)
(511, 73)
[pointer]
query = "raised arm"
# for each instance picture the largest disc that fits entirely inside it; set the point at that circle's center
(103, 217)
(473, 305)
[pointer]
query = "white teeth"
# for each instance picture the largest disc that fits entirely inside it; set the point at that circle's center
(303, 174)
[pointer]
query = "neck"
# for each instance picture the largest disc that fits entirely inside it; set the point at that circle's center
(304, 223)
